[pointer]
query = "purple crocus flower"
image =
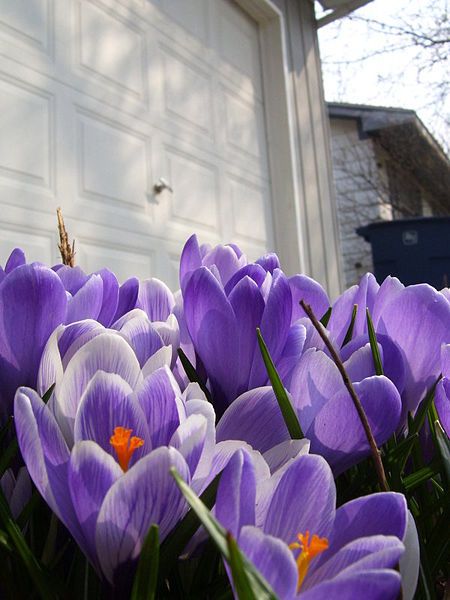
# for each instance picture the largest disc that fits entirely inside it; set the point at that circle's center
(100, 451)
(224, 303)
(289, 527)
(93, 296)
(32, 303)
(415, 318)
(324, 408)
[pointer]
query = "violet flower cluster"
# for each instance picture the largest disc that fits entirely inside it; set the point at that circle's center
(119, 412)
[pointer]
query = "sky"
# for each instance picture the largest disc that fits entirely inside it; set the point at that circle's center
(400, 78)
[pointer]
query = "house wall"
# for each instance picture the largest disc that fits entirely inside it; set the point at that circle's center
(371, 185)
(362, 193)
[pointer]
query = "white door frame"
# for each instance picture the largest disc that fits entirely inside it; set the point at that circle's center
(280, 126)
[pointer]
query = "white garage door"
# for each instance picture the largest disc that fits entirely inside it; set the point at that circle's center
(101, 98)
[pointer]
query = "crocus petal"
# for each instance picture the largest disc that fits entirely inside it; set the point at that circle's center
(374, 552)
(292, 351)
(236, 494)
(197, 405)
(155, 299)
(226, 261)
(442, 403)
(189, 440)
(140, 333)
(191, 259)
(224, 451)
(275, 325)
(159, 397)
(51, 368)
(255, 417)
(410, 561)
(307, 289)
(304, 500)
(255, 272)
(146, 494)
(376, 584)
(377, 514)
(390, 354)
(281, 454)
(337, 432)
(87, 302)
(314, 381)
(248, 307)
(110, 297)
(363, 295)
(445, 360)
(46, 456)
(128, 293)
(107, 403)
(91, 473)
(418, 320)
(32, 303)
(213, 329)
(360, 363)
(158, 360)
(73, 278)
(107, 352)
(273, 559)
(16, 259)
(75, 336)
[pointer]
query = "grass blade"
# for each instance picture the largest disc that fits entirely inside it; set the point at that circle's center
(192, 374)
(34, 569)
(416, 422)
(289, 415)
(374, 345)
(349, 334)
(146, 578)
(176, 541)
(217, 533)
(242, 585)
(325, 319)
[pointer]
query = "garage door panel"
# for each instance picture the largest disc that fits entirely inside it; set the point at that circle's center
(244, 124)
(27, 23)
(36, 247)
(249, 211)
(238, 46)
(194, 201)
(125, 262)
(111, 49)
(188, 93)
(114, 162)
(26, 133)
(192, 16)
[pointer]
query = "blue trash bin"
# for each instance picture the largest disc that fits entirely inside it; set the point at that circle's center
(414, 250)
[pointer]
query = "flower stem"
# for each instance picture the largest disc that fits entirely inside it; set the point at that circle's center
(376, 456)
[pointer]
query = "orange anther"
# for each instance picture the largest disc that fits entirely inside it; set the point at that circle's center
(308, 550)
(125, 445)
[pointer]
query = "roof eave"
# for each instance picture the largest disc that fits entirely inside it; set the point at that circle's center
(340, 9)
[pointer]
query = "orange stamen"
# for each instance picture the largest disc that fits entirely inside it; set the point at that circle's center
(124, 446)
(308, 550)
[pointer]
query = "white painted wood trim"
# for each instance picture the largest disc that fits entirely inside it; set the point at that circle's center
(280, 126)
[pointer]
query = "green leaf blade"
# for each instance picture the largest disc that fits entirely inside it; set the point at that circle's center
(219, 536)
(146, 578)
(241, 582)
(289, 415)
(374, 345)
